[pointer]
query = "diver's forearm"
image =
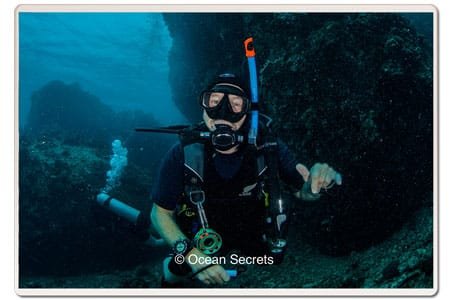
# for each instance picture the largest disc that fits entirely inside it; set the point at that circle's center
(166, 226)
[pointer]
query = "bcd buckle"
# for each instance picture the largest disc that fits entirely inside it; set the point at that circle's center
(197, 197)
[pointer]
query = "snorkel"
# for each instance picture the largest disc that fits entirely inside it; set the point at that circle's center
(250, 53)
(277, 215)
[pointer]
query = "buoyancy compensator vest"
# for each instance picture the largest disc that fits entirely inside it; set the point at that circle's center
(246, 211)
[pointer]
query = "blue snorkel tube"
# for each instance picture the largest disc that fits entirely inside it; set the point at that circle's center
(277, 206)
(250, 53)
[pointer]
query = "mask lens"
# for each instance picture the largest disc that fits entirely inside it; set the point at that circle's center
(212, 99)
(236, 103)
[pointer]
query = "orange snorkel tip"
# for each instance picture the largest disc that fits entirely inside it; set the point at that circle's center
(249, 49)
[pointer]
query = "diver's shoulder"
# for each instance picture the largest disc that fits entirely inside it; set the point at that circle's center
(175, 151)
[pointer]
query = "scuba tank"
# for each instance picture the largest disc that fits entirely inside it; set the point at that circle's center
(140, 220)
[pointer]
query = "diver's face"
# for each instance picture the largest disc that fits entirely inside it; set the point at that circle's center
(226, 103)
(211, 123)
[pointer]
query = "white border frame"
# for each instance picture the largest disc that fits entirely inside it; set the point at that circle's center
(183, 8)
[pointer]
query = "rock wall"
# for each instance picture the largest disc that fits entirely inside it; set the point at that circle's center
(202, 47)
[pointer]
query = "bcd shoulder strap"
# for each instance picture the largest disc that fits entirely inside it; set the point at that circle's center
(194, 161)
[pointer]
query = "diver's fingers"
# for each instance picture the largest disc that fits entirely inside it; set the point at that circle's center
(329, 177)
(315, 174)
(214, 275)
(203, 278)
(322, 176)
(224, 275)
(303, 170)
(338, 178)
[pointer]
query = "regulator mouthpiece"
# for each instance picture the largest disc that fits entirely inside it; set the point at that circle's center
(224, 138)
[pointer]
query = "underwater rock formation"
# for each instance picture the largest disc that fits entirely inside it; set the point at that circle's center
(352, 90)
(64, 155)
(203, 44)
(404, 260)
(76, 117)
(59, 108)
(62, 228)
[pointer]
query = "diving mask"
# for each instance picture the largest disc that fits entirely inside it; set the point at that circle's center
(225, 101)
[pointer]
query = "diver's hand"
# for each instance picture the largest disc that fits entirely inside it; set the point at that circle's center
(323, 177)
(212, 275)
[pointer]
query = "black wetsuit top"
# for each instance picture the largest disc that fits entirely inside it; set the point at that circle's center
(231, 206)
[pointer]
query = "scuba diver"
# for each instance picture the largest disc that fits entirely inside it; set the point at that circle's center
(220, 193)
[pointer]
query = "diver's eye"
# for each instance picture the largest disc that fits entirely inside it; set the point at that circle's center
(214, 99)
(236, 103)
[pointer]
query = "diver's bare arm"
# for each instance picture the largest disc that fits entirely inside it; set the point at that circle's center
(164, 222)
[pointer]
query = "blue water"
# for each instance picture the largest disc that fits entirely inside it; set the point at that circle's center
(122, 58)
